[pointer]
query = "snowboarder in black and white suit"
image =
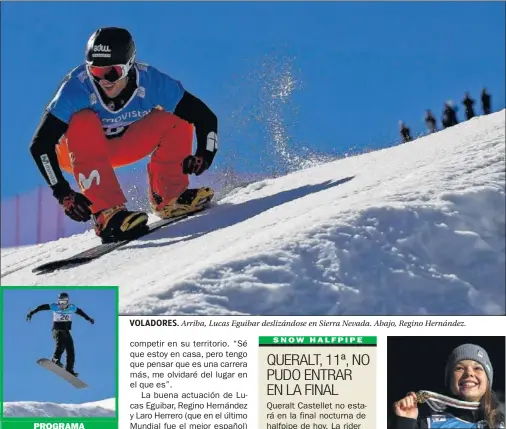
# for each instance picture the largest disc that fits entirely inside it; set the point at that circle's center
(62, 324)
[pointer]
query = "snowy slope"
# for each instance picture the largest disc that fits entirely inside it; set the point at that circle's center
(105, 408)
(414, 229)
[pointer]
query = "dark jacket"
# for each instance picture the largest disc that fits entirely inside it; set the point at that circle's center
(468, 102)
(405, 133)
(449, 118)
(485, 101)
(430, 121)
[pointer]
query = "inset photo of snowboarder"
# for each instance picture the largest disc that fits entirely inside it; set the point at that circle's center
(60, 351)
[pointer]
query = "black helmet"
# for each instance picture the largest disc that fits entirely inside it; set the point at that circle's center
(63, 300)
(110, 46)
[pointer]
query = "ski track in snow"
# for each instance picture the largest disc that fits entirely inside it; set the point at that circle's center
(105, 408)
(418, 228)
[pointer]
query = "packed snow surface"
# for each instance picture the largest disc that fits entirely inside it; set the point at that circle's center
(418, 228)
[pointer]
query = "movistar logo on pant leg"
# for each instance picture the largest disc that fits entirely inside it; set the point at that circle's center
(86, 182)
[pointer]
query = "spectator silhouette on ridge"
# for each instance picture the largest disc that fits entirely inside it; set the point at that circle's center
(430, 121)
(485, 101)
(405, 132)
(468, 102)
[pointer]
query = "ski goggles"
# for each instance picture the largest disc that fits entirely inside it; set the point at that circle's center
(109, 73)
(63, 302)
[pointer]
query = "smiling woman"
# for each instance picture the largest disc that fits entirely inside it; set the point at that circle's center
(470, 379)
(469, 376)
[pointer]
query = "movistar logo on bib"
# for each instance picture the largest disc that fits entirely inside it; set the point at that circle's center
(126, 116)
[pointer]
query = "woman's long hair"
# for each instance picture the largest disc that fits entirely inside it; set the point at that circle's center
(491, 409)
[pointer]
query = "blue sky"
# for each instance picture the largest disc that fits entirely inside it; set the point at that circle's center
(360, 67)
(25, 342)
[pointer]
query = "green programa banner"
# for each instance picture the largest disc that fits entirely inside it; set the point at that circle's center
(20, 423)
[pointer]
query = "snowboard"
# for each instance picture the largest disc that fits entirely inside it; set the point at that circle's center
(105, 248)
(59, 371)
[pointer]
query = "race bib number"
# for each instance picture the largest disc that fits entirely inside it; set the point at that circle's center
(62, 317)
(110, 132)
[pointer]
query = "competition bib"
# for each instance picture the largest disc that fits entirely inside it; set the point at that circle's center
(63, 315)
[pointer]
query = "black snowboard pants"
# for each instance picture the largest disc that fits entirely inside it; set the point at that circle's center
(64, 343)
